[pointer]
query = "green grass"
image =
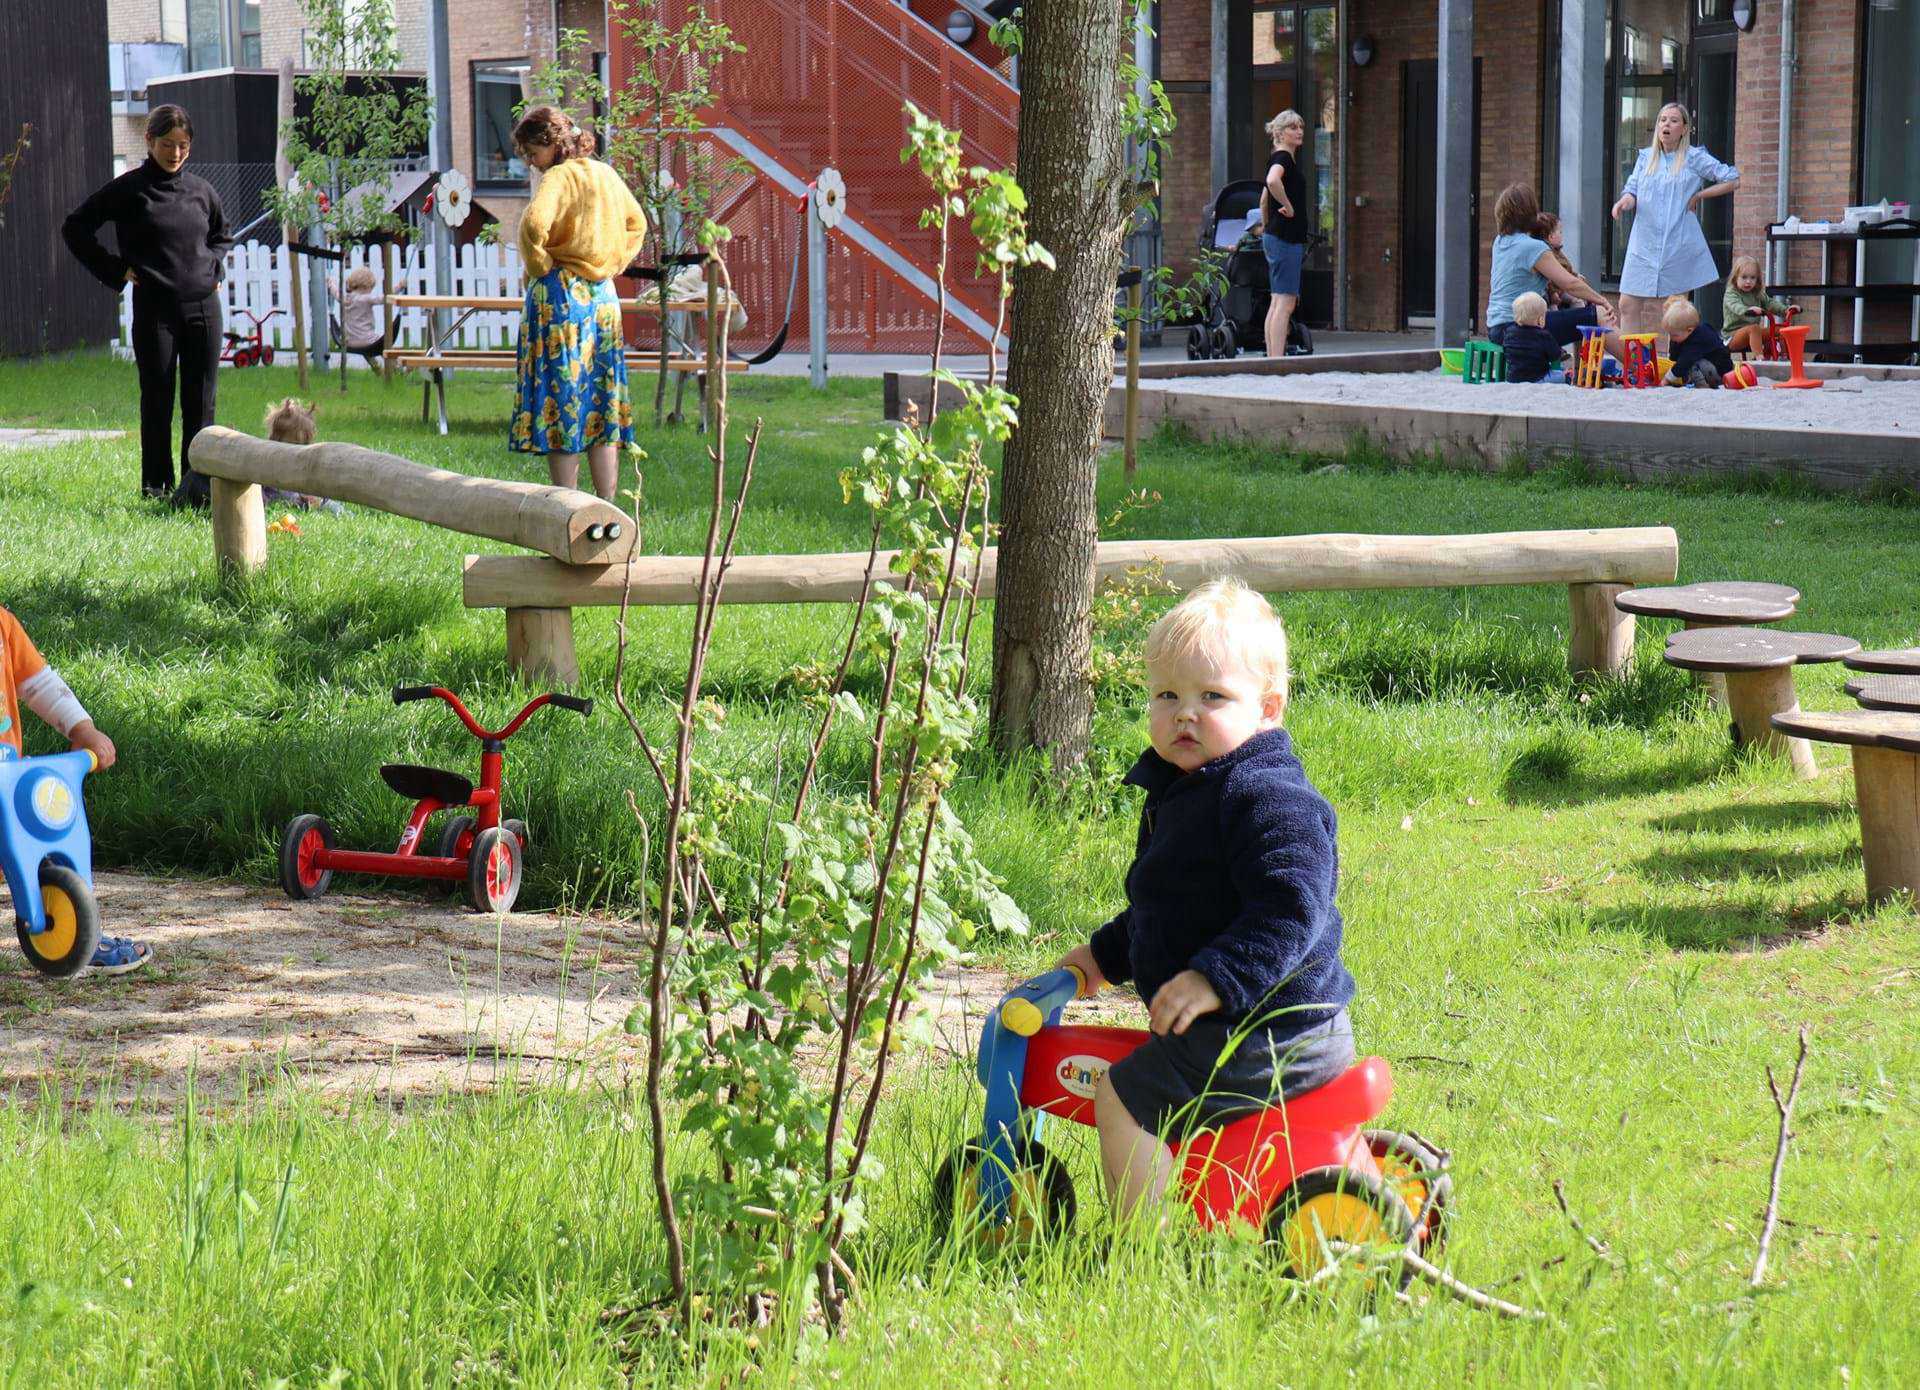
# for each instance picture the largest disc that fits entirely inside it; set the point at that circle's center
(1581, 928)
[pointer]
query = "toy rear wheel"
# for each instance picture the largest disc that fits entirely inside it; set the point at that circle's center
(302, 878)
(1325, 1207)
(456, 842)
(1041, 1205)
(72, 932)
(1418, 1172)
(518, 829)
(493, 870)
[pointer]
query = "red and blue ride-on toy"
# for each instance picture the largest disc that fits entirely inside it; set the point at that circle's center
(47, 855)
(250, 349)
(1305, 1172)
(482, 849)
(1773, 347)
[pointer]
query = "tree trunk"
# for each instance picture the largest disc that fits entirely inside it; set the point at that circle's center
(1060, 364)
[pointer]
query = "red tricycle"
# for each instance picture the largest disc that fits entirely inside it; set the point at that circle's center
(1305, 1172)
(249, 350)
(483, 849)
(1773, 348)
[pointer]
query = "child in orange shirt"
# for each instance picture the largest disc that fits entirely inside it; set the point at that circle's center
(25, 678)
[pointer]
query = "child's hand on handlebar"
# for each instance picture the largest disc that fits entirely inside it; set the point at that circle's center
(1180, 1001)
(85, 738)
(1081, 958)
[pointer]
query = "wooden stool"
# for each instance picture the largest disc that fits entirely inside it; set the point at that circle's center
(1485, 362)
(1758, 667)
(1642, 367)
(1886, 783)
(1589, 363)
(1723, 603)
(1893, 661)
(1887, 692)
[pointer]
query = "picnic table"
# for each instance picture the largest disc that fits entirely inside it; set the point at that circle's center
(436, 359)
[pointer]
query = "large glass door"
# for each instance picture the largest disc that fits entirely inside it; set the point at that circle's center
(1296, 66)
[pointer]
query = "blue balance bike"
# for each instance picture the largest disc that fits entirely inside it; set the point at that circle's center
(47, 855)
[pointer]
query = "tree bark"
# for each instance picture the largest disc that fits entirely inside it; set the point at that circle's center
(1072, 164)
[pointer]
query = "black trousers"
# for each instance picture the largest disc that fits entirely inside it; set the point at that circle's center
(172, 340)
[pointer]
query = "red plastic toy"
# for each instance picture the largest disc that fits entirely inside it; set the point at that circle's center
(486, 851)
(1306, 1172)
(250, 350)
(1773, 347)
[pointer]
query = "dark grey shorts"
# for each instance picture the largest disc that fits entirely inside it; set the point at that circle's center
(1179, 1080)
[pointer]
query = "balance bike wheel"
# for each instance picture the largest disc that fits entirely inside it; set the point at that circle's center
(1324, 1206)
(1419, 1174)
(1040, 1206)
(493, 871)
(456, 842)
(73, 924)
(306, 836)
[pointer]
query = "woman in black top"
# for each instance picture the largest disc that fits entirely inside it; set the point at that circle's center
(173, 242)
(1284, 231)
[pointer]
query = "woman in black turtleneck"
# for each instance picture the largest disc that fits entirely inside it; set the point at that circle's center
(173, 246)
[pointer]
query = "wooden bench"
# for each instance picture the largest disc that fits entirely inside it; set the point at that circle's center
(1758, 666)
(1886, 779)
(1595, 565)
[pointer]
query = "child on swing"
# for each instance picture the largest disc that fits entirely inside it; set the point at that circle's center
(1230, 932)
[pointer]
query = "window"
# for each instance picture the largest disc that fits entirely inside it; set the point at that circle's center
(206, 35)
(496, 91)
(1646, 42)
(249, 34)
(1890, 125)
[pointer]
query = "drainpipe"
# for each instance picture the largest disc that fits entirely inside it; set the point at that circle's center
(1343, 97)
(1789, 60)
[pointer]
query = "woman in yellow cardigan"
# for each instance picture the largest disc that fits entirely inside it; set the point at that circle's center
(582, 228)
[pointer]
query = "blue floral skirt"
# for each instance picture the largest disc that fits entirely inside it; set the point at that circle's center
(572, 368)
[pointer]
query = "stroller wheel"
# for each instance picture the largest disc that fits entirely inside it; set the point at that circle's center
(1300, 339)
(1223, 343)
(1196, 343)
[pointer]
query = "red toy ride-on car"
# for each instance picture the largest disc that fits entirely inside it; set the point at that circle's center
(484, 850)
(1305, 1172)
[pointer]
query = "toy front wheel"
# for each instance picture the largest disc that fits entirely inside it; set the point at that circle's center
(1327, 1207)
(72, 933)
(302, 878)
(1415, 1170)
(493, 870)
(1041, 1204)
(266, 354)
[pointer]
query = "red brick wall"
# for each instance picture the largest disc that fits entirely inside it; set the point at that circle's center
(1186, 173)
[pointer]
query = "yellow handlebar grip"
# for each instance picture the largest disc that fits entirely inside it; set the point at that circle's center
(93, 761)
(1020, 1016)
(1081, 976)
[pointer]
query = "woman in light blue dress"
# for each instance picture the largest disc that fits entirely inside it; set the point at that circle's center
(1666, 250)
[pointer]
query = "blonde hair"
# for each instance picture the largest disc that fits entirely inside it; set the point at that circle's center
(1288, 117)
(290, 422)
(1681, 318)
(1227, 623)
(1530, 310)
(1741, 265)
(1657, 164)
(360, 278)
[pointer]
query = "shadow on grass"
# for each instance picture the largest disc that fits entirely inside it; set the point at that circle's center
(1770, 815)
(1735, 861)
(1554, 772)
(1752, 925)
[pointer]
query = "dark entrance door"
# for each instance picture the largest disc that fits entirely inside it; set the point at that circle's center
(1419, 176)
(1295, 65)
(1711, 82)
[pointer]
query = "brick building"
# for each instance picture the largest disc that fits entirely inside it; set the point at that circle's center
(1565, 95)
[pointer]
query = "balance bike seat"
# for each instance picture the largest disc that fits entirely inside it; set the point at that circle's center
(1239, 1169)
(420, 783)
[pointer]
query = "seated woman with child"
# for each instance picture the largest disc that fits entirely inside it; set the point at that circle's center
(1523, 263)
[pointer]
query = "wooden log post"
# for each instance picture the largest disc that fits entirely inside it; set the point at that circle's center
(239, 515)
(540, 645)
(1600, 636)
(1887, 783)
(1134, 299)
(392, 314)
(1754, 697)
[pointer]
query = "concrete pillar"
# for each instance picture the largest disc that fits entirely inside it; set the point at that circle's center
(440, 145)
(816, 293)
(1585, 193)
(1221, 80)
(1453, 211)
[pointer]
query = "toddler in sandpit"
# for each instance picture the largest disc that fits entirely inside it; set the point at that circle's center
(1700, 358)
(1533, 354)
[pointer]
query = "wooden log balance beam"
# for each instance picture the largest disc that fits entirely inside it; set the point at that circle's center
(1595, 565)
(564, 523)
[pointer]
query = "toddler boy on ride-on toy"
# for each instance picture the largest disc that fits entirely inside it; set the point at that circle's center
(26, 679)
(1230, 932)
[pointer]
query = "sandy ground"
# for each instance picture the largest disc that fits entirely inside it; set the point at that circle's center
(1891, 407)
(392, 995)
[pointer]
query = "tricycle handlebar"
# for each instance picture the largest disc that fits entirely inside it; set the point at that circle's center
(404, 693)
(1026, 1007)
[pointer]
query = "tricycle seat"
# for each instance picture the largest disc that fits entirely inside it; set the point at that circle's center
(419, 783)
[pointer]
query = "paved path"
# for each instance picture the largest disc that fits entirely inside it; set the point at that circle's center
(15, 438)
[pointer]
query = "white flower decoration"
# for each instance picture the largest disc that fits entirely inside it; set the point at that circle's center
(455, 198)
(830, 197)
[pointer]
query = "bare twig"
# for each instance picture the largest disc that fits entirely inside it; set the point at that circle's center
(1599, 1247)
(1440, 1279)
(1785, 1107)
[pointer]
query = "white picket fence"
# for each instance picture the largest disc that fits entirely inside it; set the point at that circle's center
(258, 283)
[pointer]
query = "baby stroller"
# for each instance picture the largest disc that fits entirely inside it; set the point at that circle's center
(1234, 312)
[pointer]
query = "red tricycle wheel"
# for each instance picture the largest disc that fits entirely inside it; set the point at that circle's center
(493, 871)
(266, 354)
(306, 836)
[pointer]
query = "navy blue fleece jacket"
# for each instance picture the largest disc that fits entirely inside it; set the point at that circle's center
(1233, 876)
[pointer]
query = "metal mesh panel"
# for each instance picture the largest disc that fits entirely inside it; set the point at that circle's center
(241, 187)
(826, 82)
